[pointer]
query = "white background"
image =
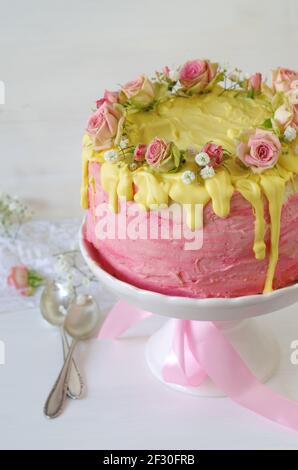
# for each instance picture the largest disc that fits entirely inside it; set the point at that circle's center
(56, 59)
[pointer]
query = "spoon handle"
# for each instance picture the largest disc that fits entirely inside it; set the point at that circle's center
(75, 382)
(56, 399)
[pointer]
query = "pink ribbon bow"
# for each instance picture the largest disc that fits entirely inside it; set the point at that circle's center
(200, 350)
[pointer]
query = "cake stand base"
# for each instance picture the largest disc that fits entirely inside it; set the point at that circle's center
(234, 316)
(255, 344)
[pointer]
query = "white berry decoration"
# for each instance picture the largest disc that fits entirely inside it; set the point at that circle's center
(207, 172)
(188, 177)
(290, 133)
(202, 159)
(111, 156)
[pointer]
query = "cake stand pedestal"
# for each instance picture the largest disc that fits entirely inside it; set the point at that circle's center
(234, 317)
(255, 344)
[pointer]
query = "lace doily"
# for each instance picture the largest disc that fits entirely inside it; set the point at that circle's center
(36, 245)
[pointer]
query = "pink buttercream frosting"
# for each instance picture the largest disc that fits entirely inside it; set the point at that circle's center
(225, 266)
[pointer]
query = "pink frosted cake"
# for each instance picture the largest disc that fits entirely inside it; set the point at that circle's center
(190, 181)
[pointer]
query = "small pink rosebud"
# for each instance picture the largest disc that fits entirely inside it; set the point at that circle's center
(140, 152)
(215, 153)
(110, 97)
(254, 82)
(18, 277)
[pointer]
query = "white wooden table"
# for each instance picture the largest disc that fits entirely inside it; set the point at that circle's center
(56, 59)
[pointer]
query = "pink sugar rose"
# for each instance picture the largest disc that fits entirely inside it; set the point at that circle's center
(197, 74)
(283, 115)
(282, 78)
(19, 279)
(163, 156)
(157, 151)
(215, 153)
(140, 152)
(140, 91)
(102, 126)
(108, 97)
(287, 113)
(254, 82)
(261, 152)
(295, 117)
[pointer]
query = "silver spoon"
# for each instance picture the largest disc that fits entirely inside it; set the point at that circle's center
(81, 322)
(54, 302)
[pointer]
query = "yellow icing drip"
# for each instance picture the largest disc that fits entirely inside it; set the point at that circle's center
(274, 189)
(190, 195)
(220, 190)
(125, 187)
(89, 154)
(193, 122)
(150, 191)
(92, 185)
(109, 181)
(251, 191)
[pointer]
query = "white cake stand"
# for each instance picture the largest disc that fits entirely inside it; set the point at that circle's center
(256, 345)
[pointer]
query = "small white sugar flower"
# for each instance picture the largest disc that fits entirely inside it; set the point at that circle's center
(124, 142)
(188, 177)
(111, 156)
(290, 133)
(174, 75)
(202, 159)
(296, 149)
(207, 172)
(133, 166)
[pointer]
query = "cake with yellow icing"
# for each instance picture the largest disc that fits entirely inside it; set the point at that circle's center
(190, 181)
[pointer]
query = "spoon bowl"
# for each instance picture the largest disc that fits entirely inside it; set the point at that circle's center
(82, 318)
(54, 303)
(81, 322)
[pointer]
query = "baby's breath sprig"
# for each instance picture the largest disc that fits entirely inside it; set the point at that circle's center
(232, 81)
(13, 213)
(71, 272)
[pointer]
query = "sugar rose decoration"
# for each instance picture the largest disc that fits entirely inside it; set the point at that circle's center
(214, 152)
(103, 125)
(254, 83)
(283, 78)
(24, 280)
(286, 81)
(261, 151)
(195, 75)
(163, 156)
(109, 97)
(140, 152)
(140, 92)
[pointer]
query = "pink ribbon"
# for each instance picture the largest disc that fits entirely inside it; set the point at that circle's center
(200, 350)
